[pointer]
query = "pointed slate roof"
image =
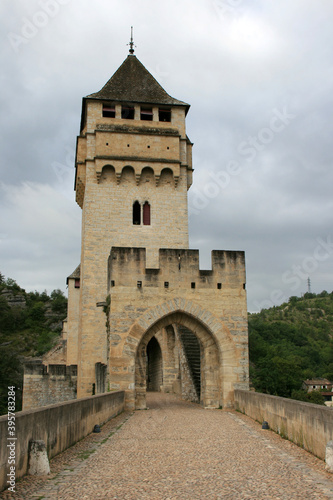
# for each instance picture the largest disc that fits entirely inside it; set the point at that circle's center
(132, 82)
(75, 274)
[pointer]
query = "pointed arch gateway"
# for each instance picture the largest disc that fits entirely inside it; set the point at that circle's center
(211, 367)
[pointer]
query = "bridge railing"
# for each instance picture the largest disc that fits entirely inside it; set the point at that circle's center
(59, 426)
(308, 425)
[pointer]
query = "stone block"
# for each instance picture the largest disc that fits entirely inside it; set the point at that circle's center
(329, 457)
(38, 459)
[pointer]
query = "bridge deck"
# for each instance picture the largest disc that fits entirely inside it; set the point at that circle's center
(176, 450)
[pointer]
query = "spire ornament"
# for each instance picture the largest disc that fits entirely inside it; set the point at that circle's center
(131, 44)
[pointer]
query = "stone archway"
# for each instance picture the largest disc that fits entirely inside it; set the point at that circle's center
(211, 390)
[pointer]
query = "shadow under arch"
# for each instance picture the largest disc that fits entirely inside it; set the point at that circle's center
(167, 177)
(127, 175)
(108, 174)
(211, 359)
(147, 176)
(154, 365)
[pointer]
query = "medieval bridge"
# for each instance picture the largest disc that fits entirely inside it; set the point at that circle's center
(177, 450)
(144, 317)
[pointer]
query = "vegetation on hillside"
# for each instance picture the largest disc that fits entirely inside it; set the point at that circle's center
(291, 343)
(30, 324)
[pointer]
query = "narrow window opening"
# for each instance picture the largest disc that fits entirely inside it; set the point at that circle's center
(107, 143)
(148, 147)
(93, 389)
(193, 284)
(139, 284)
(146, 113)
(109, 111)
(127, 112)
(164, 114)
(136, 213)
(146, 214)
(112, 283)
(244, 286)
(219, 286)
(77, 283)
(166, 284)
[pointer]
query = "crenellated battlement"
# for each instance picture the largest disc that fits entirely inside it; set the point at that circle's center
(36, 367)
(178, 268)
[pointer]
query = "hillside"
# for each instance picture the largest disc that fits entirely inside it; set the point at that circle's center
(291, 343)
(30, 323)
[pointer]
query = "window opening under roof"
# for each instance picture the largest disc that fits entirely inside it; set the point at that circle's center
(146, 113)
(127, 112)
(164, 114)
(109, 111)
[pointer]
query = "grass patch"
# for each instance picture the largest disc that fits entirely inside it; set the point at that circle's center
(86, 454)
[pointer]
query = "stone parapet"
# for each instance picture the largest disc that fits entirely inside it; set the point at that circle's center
(176, 267)
(308, 425)
(59, 426)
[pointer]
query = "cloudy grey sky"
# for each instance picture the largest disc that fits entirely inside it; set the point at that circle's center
(258, 75)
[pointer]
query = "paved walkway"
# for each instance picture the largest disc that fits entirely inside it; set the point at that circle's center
(176, 450)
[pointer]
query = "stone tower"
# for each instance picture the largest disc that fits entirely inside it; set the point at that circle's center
(133, 170)
(141, 314)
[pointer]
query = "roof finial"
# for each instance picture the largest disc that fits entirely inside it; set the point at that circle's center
(131, 44)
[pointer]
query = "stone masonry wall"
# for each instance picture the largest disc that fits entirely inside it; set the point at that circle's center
(48, 385)
(188, 391)
(308, 425)
(59, 426)
(72, 332)
(212, 302)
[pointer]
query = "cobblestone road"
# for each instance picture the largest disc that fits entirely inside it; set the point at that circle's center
(176, 450)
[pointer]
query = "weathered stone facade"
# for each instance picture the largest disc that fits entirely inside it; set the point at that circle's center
(46, 385)
(133, 170)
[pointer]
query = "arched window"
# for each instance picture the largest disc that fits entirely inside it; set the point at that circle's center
(136, 213)
(146, 214)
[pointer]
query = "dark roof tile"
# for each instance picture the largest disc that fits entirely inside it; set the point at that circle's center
(132, 82)
(75, 274)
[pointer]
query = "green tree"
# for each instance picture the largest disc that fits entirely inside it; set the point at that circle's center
(59, 302)
(316, 397)
(11, 374)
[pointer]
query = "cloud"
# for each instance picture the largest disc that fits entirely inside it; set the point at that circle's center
(235, 62)
(40, 235)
